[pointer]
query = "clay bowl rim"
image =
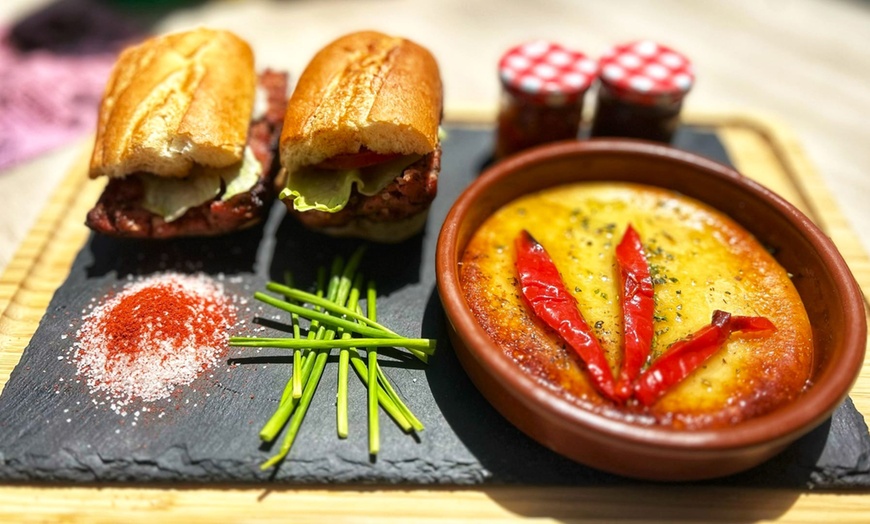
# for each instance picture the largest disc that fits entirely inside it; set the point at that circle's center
(779, 427)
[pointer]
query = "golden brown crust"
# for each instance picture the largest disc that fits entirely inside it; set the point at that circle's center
(365, 89)
(701, 261)
(173, 101)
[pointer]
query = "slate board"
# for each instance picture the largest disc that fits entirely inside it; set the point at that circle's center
(52, 430)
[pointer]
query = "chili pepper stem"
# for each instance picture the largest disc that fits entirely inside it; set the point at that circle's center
(688, 354)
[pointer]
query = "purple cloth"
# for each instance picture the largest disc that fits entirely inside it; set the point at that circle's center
(47, 99)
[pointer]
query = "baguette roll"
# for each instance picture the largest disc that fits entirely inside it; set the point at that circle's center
(367, 90)
(187, 135)
(365, 110)
(175, 101)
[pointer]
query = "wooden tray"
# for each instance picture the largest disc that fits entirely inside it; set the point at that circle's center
(761, 149)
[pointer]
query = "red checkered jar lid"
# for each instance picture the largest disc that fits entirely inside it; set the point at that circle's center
(647, 71)
(547, 73)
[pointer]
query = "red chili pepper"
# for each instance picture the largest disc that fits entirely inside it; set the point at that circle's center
(638, 307)
(688, 354)
(544, 291)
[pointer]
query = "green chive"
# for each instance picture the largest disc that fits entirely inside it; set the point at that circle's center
(334, 316)
(386, 402)
(302, 296)
(422, 345)
(346, 312)
(301, 410)
(285, 407)
(372, 356)
(296, 376)
(313, 379)
(391, 393)
(402, 407)
(347, 276)
(324, 318)
(343, 364)
(296, 382)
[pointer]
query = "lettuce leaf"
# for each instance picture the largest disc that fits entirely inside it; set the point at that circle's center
(329, 190)
(172, 197)
(240, 179)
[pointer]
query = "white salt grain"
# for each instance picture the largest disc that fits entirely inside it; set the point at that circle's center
(163, 360)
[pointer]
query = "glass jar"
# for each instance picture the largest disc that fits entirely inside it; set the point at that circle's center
(620, 116)
(543, 85)
(525, 123)
(641, 92)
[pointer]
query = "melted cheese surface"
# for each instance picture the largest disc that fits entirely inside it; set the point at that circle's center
(700, 260)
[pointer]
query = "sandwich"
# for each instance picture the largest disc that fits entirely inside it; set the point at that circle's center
(360, 147)
(187, 134)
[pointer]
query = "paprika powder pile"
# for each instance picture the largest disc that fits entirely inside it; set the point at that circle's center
(157, 334)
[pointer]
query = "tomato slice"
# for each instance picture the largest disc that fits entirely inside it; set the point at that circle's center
(364, 158)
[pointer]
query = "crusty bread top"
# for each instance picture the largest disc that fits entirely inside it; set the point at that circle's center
(364, 89)
(173, 101)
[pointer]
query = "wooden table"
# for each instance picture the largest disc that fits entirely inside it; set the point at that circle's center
(759, 148)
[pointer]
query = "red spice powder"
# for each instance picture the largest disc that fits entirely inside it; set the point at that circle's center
(156, 335)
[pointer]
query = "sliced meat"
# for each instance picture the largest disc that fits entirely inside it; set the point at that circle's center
(406, 196)
(119, 211)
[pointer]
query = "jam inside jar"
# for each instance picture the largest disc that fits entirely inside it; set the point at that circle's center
(623, 117)
(543, 85)
(641, 91)
(525, 123)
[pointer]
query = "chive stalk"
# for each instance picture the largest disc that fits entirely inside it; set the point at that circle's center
(301, 410)
(372, 356)
(422, 345)
(325, 318)
(303, 296)
(341, 424)
(383, 399)
(346, 281)
(402, 407)
(334, 315)
(285, 408)
(298, 414)
(415, 423)
(341, 407)
(296, 377)
(370, 329)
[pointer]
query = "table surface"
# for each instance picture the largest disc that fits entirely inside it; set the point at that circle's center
(802, 62)
(767, 153)
(798, 63)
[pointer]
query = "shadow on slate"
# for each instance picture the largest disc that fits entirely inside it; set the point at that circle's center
(301, 251)
(231, 254)
(52, 430)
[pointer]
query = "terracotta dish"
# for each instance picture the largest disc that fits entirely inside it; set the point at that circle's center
(828, 290)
